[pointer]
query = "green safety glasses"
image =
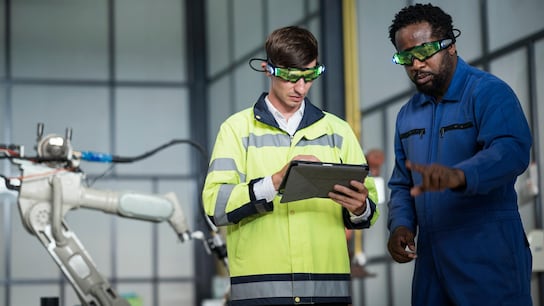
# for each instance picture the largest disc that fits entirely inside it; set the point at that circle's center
(421, 52)
(294, 74)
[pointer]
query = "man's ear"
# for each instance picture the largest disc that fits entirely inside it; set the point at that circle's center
(267, 68)
(452, 49)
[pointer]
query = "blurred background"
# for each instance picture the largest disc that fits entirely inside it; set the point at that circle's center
(127, 76)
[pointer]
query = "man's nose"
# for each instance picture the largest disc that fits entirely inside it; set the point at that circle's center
(300, 85)
(418, 63)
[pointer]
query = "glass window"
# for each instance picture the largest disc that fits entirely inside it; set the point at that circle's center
(249, 86)
(147, 118)
(94, 230)
(175, 294)
(134, 248)
(316, 92)
(4, 112)
(248, 27)
(539, 104)
(59, 39)
(177, 259)
(375, 288)
(313, 6)
(219, 35)
(29, 252)
(509, 20)
(391, 118)
(372, 129)
(466, 17)
(221, 107)
(282, 16)
(5, 206)
(153, 50)
(375, 237)
(539, 70)
(32, 294)
(512, 68)
(376, 70)
(401, 280)
(2, 47)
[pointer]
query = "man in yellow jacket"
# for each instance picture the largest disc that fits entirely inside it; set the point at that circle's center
(286, 253)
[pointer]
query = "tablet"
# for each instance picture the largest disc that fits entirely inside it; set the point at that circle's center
(307, 179)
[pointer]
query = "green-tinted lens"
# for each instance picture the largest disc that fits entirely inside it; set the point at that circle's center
(426, 50)
(403, 58)
(421, 52)
(295, 74)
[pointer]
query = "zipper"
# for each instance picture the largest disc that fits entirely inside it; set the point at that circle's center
(419, 132)
(456, 126)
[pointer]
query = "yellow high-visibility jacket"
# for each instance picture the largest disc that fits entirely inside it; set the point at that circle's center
(282, 253)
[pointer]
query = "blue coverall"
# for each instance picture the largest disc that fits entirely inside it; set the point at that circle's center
(471, 245)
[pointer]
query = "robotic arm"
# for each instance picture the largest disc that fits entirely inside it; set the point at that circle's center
(52, 186)
(61, 189)
(46, 195)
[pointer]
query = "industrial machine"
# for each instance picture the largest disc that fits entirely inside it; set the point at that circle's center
(51, 184)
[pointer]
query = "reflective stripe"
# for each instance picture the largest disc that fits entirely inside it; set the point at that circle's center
(223, 196)
(307, 288)
(226, 164)
(267, 140)
(283, 140)
(332, 141)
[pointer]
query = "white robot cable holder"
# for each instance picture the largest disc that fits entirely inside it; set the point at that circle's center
(48, 189)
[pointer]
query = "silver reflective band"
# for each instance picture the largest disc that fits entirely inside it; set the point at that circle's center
(223, 196)
(284, 140)
(255, 290)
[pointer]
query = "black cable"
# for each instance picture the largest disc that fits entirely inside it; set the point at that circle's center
(120, 159)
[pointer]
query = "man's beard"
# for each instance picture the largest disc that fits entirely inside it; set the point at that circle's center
(440, 81)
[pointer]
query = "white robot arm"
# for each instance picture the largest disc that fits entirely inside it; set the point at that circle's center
(46, 195)
(48, 190)
(62, 190)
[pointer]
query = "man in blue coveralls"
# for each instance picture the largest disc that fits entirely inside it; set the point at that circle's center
(460, 143)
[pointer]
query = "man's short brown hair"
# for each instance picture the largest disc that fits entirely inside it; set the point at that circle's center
(291, 46)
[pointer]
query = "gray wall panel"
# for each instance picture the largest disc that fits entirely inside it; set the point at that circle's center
(378, 76)
(248, 27)
(249, 86)
(510, 19)
(466, 17)
(148, 118)
(31, 294)
(176, 259)
(218, 35)
(2, 44)
(59, 39)
(373, 286)
(279, 16)
(512, 69)
(150, 50)
(29, 259)
(221, 106)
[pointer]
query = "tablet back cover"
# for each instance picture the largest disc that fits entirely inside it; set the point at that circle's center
(315, 179)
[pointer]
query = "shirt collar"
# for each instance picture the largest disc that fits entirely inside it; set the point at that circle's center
(458, 81)
(276, 113)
